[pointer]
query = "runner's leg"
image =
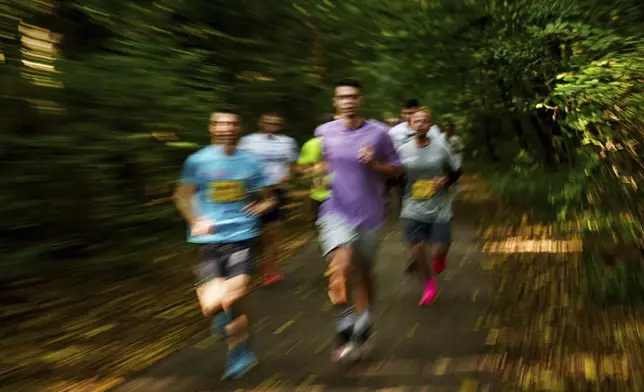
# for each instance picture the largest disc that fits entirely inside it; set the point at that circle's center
(241, 359)
(336, 240)
(271, 239)
(416, 235)
(210, 280)
(270, 248)
(367, 246)
(212, 290)
(441, 238)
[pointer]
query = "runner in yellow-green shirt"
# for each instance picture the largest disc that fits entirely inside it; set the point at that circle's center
(311, 156)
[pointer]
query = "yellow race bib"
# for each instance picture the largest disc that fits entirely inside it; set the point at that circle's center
(227, 191)
(422, 189)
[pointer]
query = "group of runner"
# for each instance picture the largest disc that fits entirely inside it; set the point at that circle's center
(232, 191)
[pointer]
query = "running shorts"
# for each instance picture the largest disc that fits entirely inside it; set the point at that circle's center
(436, 232)
(225, 260)
(336, 232)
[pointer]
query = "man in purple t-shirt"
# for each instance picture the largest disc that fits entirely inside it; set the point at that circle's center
(360, 156)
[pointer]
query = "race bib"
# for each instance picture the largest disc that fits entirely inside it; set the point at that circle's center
(422, 189)
(227, 191)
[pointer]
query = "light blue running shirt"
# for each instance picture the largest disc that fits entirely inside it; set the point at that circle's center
(223, 185)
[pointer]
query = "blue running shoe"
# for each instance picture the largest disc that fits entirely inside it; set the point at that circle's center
(245, 364)
(240, 361)
(231, 359)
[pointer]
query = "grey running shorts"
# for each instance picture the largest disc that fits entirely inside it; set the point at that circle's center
(335, 232)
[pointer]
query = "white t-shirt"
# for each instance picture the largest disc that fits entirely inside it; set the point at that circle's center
(401, 134)
(435, 133)
(455, 145)
(276, 152)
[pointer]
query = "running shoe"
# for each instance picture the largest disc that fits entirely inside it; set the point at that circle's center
(347, 352)
(272, 279)
(240, 360)
(430, 293)
(345, 349)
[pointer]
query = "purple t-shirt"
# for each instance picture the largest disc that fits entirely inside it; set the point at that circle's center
(357, 190)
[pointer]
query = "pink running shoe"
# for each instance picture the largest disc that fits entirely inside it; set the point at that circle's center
(430, 293)
(438, 265)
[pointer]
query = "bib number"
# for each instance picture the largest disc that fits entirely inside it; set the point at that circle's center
(227, 191)
(422, 189)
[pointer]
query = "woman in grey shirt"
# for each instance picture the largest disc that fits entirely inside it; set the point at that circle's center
(426, 211)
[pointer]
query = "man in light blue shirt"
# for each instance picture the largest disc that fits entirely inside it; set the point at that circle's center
(215, 196)
(278, 155)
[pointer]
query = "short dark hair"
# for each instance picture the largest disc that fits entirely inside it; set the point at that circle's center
(348, 82)
(411, 103)
(271, 114)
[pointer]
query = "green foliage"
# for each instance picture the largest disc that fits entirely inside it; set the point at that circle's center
(623, 284)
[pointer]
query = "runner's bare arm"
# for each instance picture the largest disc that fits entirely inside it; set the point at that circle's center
(267, 201)
(183, 196)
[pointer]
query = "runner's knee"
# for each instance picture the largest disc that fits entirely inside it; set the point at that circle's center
(340, 267)
(210, 295)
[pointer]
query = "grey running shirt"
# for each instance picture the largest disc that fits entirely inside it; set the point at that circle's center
(422, 165)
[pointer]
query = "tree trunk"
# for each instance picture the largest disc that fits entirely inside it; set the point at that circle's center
(545, 138)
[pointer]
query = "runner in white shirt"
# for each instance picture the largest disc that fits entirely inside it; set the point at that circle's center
(400, 134)
(454, 143)
(278, 154)
(436, 134)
